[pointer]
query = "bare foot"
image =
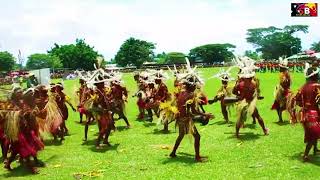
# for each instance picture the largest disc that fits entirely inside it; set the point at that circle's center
(34, 170)
(266, 131)
(7, 166)
(98, 147)
(173, 155)
(201, 159)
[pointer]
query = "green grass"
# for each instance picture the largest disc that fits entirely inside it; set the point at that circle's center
(137, 152)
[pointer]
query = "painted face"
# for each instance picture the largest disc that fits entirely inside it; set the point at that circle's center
(224, 82)
(158, 81)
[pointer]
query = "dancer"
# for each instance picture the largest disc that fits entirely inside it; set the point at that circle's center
(282, 91)
(162, 96)
(186, 105)
(140, 94)
(247, 92)
(308, 98)
(224, 91)
(23, 131)
(81, 93)
(102, 113)
(62, 99)
(118, 96)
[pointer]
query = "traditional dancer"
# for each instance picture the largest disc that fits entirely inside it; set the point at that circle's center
(282, 90)
(162, 96)
(101, 107)
(14, 103)
(186, 105)
(24, 133)
(85, 94)
(102, 113)
(150, 99)
(81, 94)
(247, 93)
(62, 99)
(119, 95)
(140, 94)
(308, 98)
(4, 141)
(224, 91)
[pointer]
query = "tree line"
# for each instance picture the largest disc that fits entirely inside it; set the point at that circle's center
(268, 42)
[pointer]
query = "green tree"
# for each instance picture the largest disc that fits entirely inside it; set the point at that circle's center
(39, 61)
(274, 42)
(252, 54)
(175, 57)
(211, 53)
(135, 51)
(6, 61)
(161, 58)
(316, 46)
(75, 56)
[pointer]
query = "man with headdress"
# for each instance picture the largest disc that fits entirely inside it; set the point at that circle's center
(224, 91)
(140, 94)
(119, 95)
(150, 98)
(62, 99)
(186, 103)
(308, 98)
(101, 111)
(15, 103)
(282, 91)
(82, 93)
(246, 90)
(27, 141)
(162, 95)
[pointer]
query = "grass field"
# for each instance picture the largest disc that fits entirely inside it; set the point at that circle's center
(141, 152)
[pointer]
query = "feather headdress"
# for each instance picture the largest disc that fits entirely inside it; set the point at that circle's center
(307, 74)
(191, 76)
(224, 75)
(283, 62)
(247, 67)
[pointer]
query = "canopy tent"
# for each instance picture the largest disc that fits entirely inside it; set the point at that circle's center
(308, 54)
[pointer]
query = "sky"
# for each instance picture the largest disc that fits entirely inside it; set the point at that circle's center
(33, 26)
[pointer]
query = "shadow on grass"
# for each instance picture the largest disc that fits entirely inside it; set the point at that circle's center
(52, 142)
(113, 147)
(84, 122)
(140, 120)
(20, 171)
(230, 123)
(250, 126)
(247, 136)
(159, 132)
(282, 123)
(185, 158)
(92, 144)
(121, 128)
(149, 124)
(313, 159)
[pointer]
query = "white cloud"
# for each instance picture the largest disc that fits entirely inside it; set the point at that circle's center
(34, 25)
